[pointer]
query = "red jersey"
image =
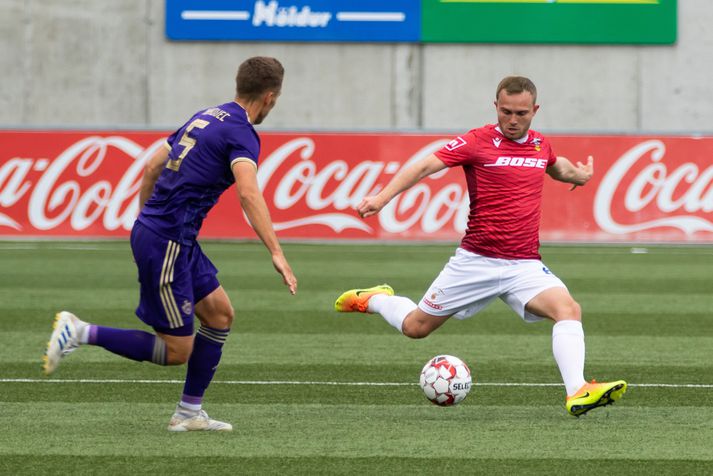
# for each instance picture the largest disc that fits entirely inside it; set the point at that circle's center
(505, 180)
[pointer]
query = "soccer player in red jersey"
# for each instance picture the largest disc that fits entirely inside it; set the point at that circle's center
(504, 165)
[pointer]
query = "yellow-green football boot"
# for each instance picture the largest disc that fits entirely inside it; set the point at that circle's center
(593, 395)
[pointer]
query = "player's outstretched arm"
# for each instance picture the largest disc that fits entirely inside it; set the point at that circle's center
(255, 208)
(404, 180)
(565, 171)
(152, 171)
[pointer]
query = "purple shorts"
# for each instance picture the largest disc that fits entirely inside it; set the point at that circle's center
(173, 278)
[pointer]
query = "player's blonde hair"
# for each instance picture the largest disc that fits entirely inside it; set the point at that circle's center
(517, 85)
(257, 75)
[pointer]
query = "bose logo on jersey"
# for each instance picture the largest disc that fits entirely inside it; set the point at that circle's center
(519, 162)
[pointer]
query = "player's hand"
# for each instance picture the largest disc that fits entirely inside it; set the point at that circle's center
(369, 206)
(584, 172)
(288, 277)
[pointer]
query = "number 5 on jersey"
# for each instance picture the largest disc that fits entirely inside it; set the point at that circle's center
(187, 142)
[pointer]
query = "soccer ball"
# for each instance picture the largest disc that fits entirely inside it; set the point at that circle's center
(445, 380)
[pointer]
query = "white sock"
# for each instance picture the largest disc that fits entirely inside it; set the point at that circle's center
(82, 331)
(393, 309)
(568, 349)
(190, 406)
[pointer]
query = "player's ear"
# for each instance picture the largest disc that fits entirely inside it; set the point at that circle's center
(535, 108)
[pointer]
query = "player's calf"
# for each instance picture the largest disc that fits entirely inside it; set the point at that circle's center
(177, 348)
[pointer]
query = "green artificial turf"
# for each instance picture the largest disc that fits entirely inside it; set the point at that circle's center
(311, 391)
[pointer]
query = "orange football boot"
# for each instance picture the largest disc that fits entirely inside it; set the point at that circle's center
(357, 300)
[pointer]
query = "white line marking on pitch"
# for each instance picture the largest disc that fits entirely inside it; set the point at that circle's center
(356, 384)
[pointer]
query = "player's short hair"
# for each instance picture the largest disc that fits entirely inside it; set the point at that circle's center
(517, 85)
(258, 75)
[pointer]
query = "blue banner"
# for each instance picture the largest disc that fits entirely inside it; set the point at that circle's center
(294, 20)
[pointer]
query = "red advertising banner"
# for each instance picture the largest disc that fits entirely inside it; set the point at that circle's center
(85, 184)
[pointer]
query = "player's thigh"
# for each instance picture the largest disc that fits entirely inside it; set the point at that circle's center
(215, 310)
(213, 307)
(535, 293)
(166, 290)
(203, 274)
(556, 304)
(466, 285)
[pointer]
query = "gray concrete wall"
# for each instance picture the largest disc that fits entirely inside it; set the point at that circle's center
(87, 63)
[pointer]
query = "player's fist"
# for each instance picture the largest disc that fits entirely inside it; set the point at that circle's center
(584, 172)
(369, 206)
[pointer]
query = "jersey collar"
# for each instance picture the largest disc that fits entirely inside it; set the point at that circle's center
(246, 111)
(521, 140)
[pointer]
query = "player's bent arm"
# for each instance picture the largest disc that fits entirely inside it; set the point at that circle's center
(404, 180)
(409, 176)
(152, 171)
(254, 206)
(565, 171)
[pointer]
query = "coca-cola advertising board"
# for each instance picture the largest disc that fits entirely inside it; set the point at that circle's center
(85, 184)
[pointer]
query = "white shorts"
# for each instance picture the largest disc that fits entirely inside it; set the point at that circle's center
(470, 281)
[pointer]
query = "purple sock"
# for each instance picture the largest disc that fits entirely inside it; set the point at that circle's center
(207, 349)
(129, 343)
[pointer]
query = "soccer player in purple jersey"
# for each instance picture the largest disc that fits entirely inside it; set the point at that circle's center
(182, 182)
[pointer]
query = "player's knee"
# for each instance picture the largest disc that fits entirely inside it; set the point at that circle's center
(418, 325)
(176, 359)
(220, 317)
(229, 317)
(416, 334)
(223, 319)
(178, 354)
(568, 310)
(575, 310)
(415, 330)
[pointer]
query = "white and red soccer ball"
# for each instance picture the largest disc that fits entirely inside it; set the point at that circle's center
(445, 380)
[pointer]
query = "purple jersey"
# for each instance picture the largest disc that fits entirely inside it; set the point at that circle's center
(198, 170)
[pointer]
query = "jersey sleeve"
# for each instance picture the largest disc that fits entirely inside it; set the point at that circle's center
(243, 148)
(551, 157)
(171, 139)
(458, 151)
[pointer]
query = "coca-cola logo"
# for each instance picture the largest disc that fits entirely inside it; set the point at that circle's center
(676, 191)
(71, 187)
(329, 191)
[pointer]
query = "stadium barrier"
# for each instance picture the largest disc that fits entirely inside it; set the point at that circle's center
(85, 184)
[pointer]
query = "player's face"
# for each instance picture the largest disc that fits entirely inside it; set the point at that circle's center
(515, 113)
(268, 102)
